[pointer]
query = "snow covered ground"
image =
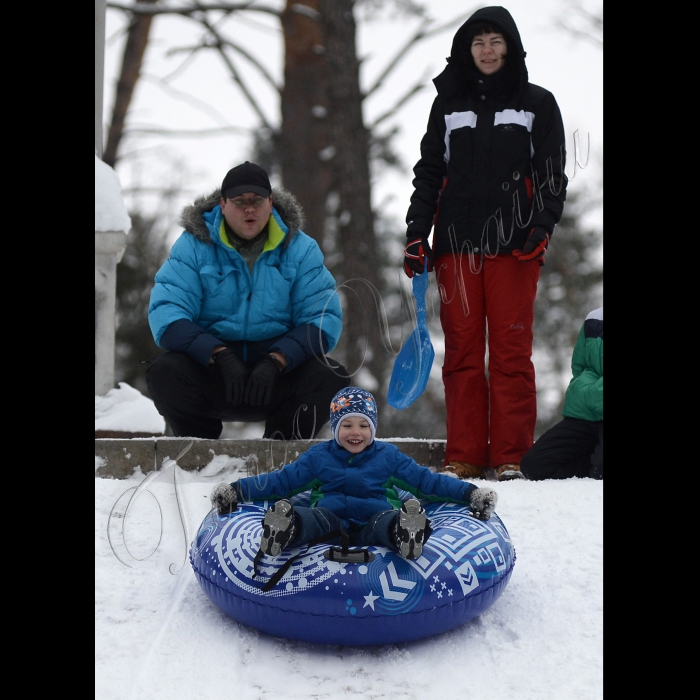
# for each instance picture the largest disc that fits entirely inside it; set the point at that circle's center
(157, 635)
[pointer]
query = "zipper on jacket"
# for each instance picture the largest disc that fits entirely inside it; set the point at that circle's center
(251, 287)
(245, 327)
(247, 311)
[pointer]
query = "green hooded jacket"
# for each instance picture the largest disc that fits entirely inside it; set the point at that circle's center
(584, 395)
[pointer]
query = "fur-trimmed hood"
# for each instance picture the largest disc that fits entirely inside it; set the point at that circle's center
(286, 204)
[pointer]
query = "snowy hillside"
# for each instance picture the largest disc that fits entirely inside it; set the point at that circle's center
(157, 635)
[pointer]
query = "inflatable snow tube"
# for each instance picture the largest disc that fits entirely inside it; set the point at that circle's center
(465, 566)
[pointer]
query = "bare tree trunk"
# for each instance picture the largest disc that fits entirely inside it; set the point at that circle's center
(134, 50)
(304, 133)
(324, 154)
(358, 262)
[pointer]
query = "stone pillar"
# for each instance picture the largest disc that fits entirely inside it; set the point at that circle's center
(110, 242)
(109, 249)
(100, 10)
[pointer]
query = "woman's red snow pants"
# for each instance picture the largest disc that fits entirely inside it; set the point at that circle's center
(490, 413)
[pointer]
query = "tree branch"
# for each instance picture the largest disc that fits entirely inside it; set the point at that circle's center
(593, 23)
(244, 89)
(580, 33)
(420, 34)
(186, 97)
(221, 42)
(420, 85)
(220, 45)
(188, 133)
(139, 8)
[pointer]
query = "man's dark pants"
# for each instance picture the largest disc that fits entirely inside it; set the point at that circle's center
(570, 448)
(192, 398)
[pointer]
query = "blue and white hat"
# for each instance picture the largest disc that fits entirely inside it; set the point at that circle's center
(353, 401)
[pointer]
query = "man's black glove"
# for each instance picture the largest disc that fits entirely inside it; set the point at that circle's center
(535, 245)
(258, 390)
(234, 373)
(414, 256)
(224, 498)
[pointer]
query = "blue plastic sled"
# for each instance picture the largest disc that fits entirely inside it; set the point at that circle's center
(415, 360)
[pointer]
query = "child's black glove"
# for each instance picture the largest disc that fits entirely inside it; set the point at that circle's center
(483, 503)
(224, 498)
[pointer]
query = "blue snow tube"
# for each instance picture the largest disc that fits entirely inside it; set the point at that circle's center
(465, 566)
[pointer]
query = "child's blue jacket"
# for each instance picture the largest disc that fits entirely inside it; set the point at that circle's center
(354, 486)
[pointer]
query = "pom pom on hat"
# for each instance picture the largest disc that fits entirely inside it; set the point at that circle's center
(353, 401)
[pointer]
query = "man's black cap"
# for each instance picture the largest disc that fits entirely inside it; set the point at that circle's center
(246, 177)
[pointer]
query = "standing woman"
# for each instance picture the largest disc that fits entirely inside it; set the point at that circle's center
(491, 182)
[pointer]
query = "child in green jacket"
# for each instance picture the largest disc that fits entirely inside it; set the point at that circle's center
(574, 446)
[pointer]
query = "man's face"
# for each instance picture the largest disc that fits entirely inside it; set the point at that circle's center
(247, 214)
(489, 52)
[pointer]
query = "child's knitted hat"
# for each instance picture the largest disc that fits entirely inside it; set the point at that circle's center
(353, 401)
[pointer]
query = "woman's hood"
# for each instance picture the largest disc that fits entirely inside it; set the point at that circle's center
(460, 67)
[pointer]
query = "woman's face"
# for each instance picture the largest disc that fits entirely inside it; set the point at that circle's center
(489, 52)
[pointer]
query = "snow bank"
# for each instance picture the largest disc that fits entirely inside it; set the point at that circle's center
(110, 210)
(127, 409)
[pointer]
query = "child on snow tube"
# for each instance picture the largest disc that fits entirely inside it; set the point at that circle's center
(353, 480)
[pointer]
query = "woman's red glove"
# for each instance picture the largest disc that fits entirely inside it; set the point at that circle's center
(414, 256)
(535, 245)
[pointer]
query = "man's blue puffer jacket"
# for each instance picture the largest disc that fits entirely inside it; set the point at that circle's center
(205, 294)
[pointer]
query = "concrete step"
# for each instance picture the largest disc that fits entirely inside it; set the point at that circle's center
(118, 458)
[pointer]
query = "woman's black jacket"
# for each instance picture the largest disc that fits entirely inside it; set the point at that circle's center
(493, 155)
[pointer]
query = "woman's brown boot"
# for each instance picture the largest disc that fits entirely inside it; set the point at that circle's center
(464, 470)
(506, 472)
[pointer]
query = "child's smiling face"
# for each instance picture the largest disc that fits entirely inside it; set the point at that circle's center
(354, 433)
